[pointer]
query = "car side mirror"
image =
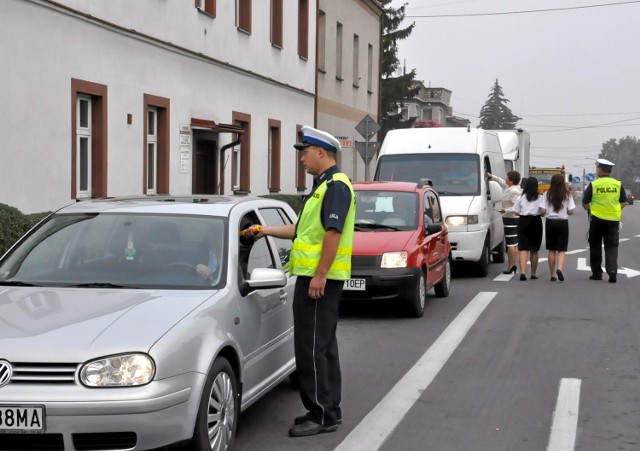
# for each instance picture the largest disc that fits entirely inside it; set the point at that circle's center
(495, 192)
(434, 228)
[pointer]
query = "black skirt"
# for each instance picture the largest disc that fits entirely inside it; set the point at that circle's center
(529, 233)
(556, 234)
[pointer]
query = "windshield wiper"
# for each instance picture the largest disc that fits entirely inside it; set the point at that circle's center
(450, 193)
(98, 285)
(17, 283)
(374, 226)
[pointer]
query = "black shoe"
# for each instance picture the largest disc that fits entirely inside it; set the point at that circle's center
(534, 277)
(307, 417)
(553, 279)
(523, 277)
(511, 270)
(593, 277)
(613, 278)
(310, 428)
(560, 275)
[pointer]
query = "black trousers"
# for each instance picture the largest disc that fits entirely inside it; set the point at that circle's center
(601, 230)
(316, 350)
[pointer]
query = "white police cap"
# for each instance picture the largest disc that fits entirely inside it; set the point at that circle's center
(605, 164)
(314, 137)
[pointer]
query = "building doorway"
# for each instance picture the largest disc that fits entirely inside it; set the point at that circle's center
(206, 175)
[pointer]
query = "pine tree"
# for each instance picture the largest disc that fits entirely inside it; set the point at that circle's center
(394, 88)
(495, 114)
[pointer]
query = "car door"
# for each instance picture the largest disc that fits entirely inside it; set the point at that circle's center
(437, 244)
(265, 315)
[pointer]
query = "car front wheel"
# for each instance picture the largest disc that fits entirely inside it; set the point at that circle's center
(419, 297)
(219, 407)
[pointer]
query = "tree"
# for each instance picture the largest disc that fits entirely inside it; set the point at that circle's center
(395, 88)
(624, 154)
(495, 114)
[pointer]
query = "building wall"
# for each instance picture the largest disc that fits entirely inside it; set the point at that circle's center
(138, 48)
(345, 98)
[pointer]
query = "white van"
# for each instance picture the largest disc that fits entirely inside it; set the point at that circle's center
(456, 160)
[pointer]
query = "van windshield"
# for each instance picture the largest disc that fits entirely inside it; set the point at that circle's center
(452, 174)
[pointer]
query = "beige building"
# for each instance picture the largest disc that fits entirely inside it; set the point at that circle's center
(348, 80)
(433, 104)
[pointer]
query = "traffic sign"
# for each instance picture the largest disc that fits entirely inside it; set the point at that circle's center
(576, 179)
(367, 127)
(590, 177)
(367, 150)
(637, 180)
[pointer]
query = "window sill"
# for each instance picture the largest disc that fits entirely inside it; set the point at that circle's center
(322, 71)
(356, 86)
(339, 79)
(206, 13)
(243, 31)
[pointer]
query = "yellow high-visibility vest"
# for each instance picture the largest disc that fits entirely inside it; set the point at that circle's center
(605, 199)
(307, 246)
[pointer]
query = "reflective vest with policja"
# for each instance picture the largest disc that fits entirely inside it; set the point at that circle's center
(307, 246)
(605, 199)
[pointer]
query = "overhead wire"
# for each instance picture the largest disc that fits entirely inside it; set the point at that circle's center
(528, 11)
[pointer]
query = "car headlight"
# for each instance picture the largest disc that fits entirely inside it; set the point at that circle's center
(462, 220)
(394, 260)
(126, 370)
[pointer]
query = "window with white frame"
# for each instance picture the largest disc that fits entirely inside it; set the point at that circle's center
(339, 51)
(370, 69)
(83, 147)
(356, 61)
(152, 150)
(235, 166)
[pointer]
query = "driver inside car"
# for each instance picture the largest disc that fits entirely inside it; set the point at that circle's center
(210, 261)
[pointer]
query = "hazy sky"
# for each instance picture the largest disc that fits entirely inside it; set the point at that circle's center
(572, 75)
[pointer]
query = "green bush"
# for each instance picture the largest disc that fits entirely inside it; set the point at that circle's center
(14, 224)
(294, 200)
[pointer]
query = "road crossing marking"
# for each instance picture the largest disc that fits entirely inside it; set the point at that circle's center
(582, 266)
(565, 416)
(377, 426)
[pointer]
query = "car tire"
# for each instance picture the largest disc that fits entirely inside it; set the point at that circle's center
(442, 288)
(219, 409)
(499, 253)
(483, 263)
(419, 296)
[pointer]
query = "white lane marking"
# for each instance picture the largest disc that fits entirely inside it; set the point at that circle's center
(503, 277)
(577, 251)
(565, 417)
(582, 266)
(378, 425)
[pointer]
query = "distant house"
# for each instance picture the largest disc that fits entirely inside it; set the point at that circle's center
(178, 97)
(433, 104)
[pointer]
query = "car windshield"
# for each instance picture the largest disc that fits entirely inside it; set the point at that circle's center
(115, 250)
(393, 210)
(451, 173)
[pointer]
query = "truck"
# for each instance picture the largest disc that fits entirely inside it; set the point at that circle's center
(516, 150)
(544, 177)
(456, 160)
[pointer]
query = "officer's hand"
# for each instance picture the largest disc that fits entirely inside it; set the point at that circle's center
(316, 287)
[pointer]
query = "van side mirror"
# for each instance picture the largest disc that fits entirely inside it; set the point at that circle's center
(495, 192)
(434, 228)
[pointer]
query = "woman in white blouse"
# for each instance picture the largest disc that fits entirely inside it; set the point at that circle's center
(530, 211)
(559, 204)
(510, 220)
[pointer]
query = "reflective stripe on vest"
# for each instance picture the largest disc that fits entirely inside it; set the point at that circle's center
(307, 247)
(605, 199)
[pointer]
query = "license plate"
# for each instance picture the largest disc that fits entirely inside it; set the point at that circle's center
(22, 419)
(355, 284)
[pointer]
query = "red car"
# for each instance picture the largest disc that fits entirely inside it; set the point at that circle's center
(401, 247)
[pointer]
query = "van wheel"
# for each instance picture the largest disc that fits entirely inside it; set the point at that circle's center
(219, 408)
(442, 288)
(498, 253)
(419, 297)
(483, 263)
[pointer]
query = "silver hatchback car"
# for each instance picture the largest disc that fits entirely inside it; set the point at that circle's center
(131, 324)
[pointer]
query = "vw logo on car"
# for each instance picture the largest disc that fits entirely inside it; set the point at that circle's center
(5, 372)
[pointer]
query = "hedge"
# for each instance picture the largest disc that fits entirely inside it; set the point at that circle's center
(14, 224)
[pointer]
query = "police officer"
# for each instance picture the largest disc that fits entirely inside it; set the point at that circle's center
(605, 198)
(321, 258)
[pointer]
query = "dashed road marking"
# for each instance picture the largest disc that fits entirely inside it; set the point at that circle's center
(565, 417)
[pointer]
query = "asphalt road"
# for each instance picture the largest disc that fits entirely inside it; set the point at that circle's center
(500, 364)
